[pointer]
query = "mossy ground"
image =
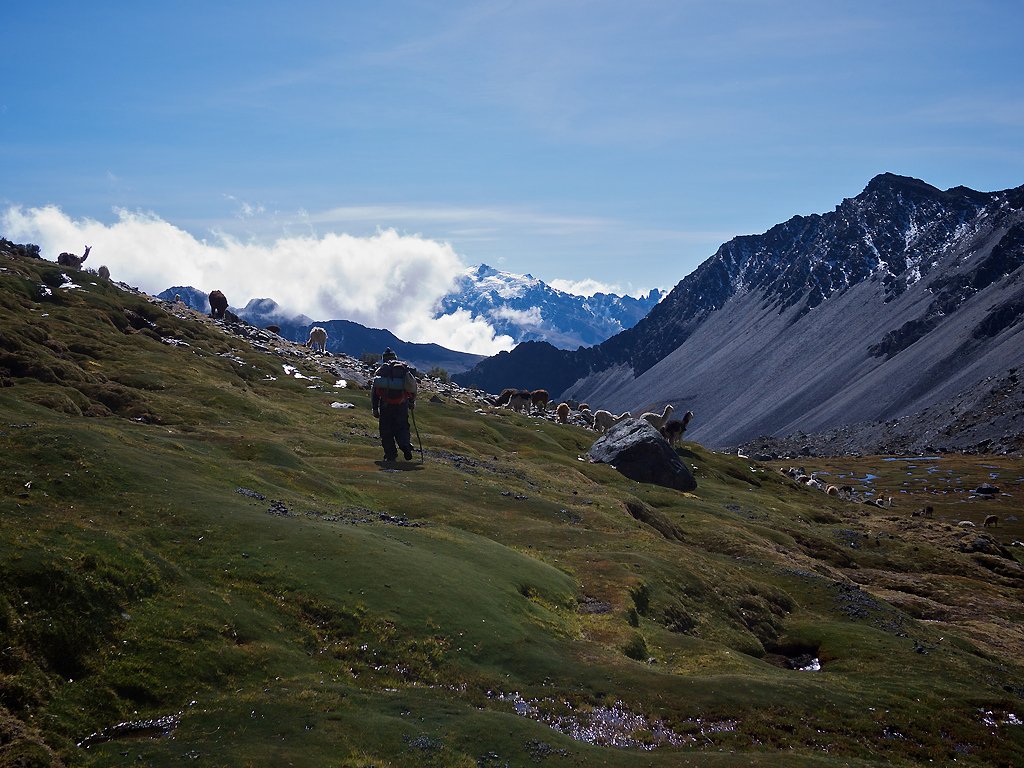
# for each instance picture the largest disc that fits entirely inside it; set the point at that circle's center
(185, 529)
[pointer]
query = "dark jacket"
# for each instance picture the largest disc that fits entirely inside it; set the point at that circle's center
(394, 383)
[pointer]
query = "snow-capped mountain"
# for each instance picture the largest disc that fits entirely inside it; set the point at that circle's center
(897, 299)
(527, 309)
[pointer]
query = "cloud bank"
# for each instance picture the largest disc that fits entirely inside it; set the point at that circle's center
(386, 280)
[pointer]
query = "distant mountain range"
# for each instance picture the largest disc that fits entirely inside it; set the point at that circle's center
(903, 296)
(527, 309)
(343, 336)
(519, 306)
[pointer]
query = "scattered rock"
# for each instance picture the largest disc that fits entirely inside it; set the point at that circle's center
(593, 605)
(278, 508)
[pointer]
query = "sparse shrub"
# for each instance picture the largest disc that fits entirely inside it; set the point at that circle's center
(527, 591)
(28, 365)
(96, 410)
(823, 516)
(118, 320)
(54, 278)
(641, 512)
(641, 595)
(757, 616)
(116, 397)
(23, 747)
(636, 648)
(150, 381)
(86, 347)
(677, 619)
(55, 400)
(57, 346)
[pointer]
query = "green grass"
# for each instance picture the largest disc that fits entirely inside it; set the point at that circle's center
(140, 577)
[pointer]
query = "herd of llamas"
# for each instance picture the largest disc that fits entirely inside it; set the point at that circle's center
(524, 400)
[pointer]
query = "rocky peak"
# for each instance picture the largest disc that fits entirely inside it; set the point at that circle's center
(896, 231)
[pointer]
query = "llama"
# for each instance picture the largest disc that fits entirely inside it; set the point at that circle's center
(317, 339)
(274, 329)
(673, 430)
(586, 415)
(218, 304)
(103, 272)
(991, 521)
(605, 420)
(657, 420)
(73, 261)
(520, 401)
(504, 397)
(539, 399)
(562, 413)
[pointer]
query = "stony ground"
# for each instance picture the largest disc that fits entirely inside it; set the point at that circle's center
(988, 419)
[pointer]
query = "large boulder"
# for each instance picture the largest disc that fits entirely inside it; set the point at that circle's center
(637, 450)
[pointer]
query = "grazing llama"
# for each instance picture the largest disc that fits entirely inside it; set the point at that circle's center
(317, 339)
(657, 420)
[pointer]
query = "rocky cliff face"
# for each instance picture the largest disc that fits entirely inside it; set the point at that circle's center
(901, 296)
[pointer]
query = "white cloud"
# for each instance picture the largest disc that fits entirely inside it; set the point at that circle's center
(386, 280)
(585, 287)
(464, 332)
(524, 318)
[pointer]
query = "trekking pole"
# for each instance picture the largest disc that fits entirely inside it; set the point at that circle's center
(413, 412)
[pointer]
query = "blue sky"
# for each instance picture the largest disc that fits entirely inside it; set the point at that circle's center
(614, 142)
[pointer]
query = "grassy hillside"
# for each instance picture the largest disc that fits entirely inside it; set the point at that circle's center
(201, 562)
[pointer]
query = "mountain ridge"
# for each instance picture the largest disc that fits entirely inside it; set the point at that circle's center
(520, 306)
(888, 246)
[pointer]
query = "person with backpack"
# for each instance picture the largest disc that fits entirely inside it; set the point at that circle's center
(392, 397)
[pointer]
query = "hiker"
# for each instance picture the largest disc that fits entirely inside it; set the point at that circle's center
(394, 395)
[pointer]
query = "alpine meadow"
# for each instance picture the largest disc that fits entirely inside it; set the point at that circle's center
(202, 562)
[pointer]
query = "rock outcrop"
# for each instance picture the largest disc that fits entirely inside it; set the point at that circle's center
(639, 452)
